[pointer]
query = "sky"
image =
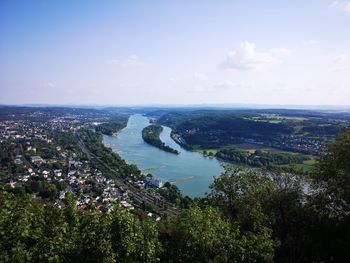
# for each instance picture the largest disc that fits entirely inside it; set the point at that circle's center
(291, 52)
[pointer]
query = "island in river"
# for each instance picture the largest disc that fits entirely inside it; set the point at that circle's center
(151, 133)
(190, 171)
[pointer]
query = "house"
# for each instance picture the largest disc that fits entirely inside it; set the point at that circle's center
(18, 159)
(154, 182)
(58, 172)
(46, 174)
(37, 160)
(126, 205)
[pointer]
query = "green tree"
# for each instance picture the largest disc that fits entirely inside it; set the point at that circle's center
(30, 231)
(93, 241)
(205, 235)
(332, 177)
(331, 201)
(262, 201)
(133, 240)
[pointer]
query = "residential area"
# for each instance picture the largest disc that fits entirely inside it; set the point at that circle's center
(43, 158)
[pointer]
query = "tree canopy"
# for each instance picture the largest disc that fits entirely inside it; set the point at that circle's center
(249, 216)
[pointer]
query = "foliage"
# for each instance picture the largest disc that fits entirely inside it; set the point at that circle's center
(31, 231)
(172, 193)
(134, 240)
(249, 216)
(205, 235)
(259, 158)
(112, 126)
(205, 129)
(222, 129)
(332, 176)
(93, 141)
(150, 134)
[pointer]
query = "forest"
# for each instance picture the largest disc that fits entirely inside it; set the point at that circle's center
(259, 158)
(151, 133)
(113, 125)
(248, 216)
(215, 128)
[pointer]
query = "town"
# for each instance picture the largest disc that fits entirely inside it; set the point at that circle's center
(41, 155)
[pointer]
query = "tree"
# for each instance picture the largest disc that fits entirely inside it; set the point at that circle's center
(93, 243)
(262, 201)
(133, 240)
(205, 235)
(332, 177)
(331, 201)
(31, 232)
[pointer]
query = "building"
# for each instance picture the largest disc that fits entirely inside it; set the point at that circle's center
(154, 182)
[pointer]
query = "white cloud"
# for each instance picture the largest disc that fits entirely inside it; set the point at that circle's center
(199, 76)
(341, 62)
(342, 4)
(247, 58)
(48, 85)
(69, 91)
(341, 59)
(310, 42)
(232, 85)
(130, 61)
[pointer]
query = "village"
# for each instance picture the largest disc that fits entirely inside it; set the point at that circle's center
(33, 161)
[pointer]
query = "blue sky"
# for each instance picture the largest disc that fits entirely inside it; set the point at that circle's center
(175, 52)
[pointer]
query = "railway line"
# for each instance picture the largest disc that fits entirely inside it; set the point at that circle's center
(160, 204)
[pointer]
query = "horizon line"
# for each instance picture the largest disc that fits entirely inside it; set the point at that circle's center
(194, 105)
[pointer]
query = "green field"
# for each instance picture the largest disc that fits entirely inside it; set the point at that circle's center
(275, 118)
(252, 147)
(306, 166)
(247, 147)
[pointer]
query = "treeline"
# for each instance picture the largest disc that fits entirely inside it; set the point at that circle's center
(247, 217)
(322, 129)
(214, 128)
(113, 166)
(173, 194)
(103, 158)
(217, 130)
(42, 114)
(259, 158)
(112, 126)
(31, 231)
(151, 133)
(39, 187)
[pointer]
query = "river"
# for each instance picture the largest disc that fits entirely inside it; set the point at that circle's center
(190, 171)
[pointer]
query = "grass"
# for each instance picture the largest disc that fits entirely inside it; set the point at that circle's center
(306, 166)
(253, 147)
(275, 118)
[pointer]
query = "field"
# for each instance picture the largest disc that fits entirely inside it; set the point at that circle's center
(275, 118)
(250, 147)
(306, 166)
(246, 147)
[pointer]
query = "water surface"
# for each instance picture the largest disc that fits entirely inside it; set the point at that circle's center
(190, 171)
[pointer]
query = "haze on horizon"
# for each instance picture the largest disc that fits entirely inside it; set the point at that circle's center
(175, 52)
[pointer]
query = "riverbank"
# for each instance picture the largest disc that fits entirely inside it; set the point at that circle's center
(151, 133)
(191, 172)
